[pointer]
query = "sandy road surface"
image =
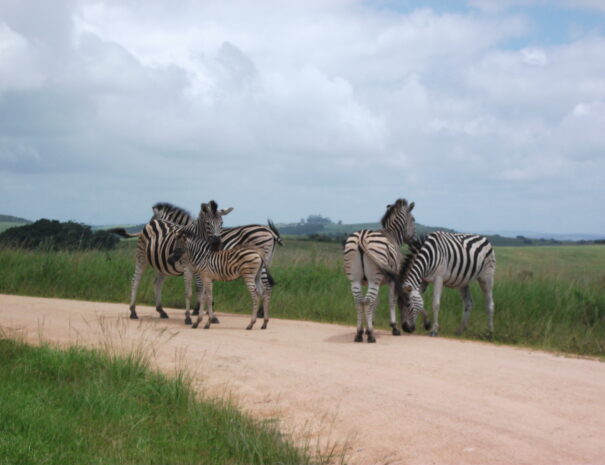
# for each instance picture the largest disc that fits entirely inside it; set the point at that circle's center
(408, 399)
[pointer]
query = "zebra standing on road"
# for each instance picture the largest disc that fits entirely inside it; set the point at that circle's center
(451, 260)
(368, 254)
(224, 265)
(156, 243)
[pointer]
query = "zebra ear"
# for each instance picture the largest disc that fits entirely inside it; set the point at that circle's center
(411, 207)
(226, 211)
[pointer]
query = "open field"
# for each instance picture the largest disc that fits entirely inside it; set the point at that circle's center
(546, 297)
(85, 407)
(4, 225)
(405, 400)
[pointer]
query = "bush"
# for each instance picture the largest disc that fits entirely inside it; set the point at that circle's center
(56, 235)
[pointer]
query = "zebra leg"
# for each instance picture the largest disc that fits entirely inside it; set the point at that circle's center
(395, 330)
(359, 306)
(158, 283)
(487, 283)
(437, 290)
(251, 285)
(467, 300)
(199, 286)
(208, 290)
(139, 268)
(266, 299)
(371, 302)
(203, 298)
(187, 279)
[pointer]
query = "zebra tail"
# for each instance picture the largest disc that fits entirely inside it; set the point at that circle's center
(122, 232)
(273, 228)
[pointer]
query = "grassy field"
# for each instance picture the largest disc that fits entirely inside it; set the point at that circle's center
(551, 298)
(4, 225)
(83, 407)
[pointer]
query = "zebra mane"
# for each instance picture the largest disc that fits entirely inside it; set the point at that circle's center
(408, 260)
(392, 210)
(168, 212)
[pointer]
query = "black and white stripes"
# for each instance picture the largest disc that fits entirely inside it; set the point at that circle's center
(370, 257)
(450, 260)
(225, 265)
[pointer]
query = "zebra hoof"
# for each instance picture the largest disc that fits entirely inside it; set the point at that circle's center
(214, 320)
(408, 328)
(207, 325)
(187, 321)
(396, 331)
(162, 313)
(249, 327)
(359, 337)
(433, 333)
(264, 326)
(195, 325)
(133, 316)
(371, 338)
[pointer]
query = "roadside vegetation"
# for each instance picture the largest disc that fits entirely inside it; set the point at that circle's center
(550, 298)
(84, 407)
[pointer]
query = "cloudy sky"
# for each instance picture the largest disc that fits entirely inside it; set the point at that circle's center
(489, 114)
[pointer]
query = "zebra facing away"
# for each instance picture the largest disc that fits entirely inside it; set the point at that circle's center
(373, 258)
(156, 242)
(225, 265)
(451, 260)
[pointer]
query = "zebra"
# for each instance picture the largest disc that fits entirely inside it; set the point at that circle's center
(446, 259)
(262, 237)
(155, 243)
(224, 265)
(369, 254)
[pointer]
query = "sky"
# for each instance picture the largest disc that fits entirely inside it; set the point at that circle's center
(488, 114)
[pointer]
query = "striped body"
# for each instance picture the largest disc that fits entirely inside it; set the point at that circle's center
(226, 265)
(451, 260)
(371, 258)
(156, 243)
(258, 236)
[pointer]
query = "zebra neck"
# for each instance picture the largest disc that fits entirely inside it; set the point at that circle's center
(417, 271)
(395, 233)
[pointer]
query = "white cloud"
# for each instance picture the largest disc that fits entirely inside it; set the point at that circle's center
(327, 107)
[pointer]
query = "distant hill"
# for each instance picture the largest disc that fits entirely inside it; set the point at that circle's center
(13, 219)
(9, 221)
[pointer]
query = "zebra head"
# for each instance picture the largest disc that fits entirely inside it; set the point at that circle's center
(210, 223)
(410, 304)
(399, 221)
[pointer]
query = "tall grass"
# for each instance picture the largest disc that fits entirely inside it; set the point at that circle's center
(546, 297)
(83, 407)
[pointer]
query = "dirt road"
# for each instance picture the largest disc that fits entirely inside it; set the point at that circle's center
(404, 400)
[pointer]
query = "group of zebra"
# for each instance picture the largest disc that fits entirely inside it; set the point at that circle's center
(173, 243)
(445, 259)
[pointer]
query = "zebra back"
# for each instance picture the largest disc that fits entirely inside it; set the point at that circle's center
(165, 211)
(253, 235)
(457, 258)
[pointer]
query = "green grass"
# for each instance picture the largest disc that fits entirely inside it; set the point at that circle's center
(4, 225)
(551, 298)
(83, 407)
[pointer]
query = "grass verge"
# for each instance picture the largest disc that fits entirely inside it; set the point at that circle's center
(549, 298)
(80, 406)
